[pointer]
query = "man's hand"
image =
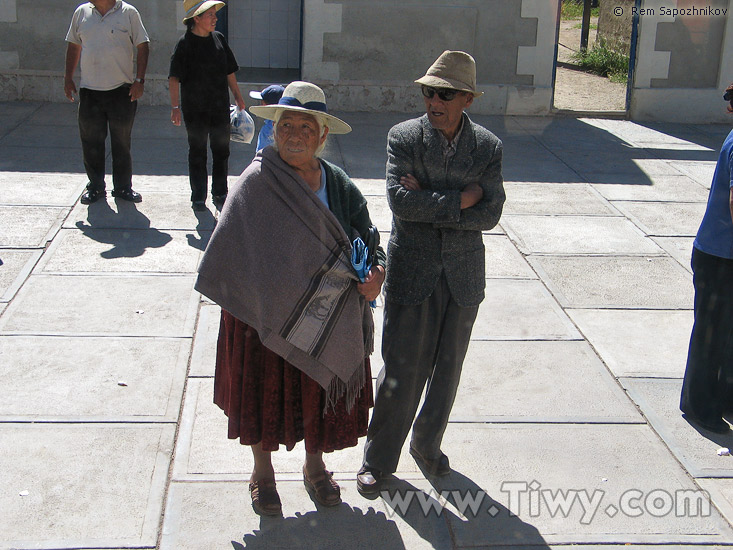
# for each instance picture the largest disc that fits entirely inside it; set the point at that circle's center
(410, 183)
(69, 89)
(470, 195)
(372, 285)
(136, 91)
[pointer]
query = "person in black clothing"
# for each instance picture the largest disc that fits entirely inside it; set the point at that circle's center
(202, 71)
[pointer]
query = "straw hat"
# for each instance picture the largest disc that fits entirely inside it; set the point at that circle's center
(455, 70)
(303, 97)
(196, 7)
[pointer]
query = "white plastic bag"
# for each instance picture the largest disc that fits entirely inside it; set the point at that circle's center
(242, 125)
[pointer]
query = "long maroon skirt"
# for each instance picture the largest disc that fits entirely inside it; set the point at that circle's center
(270, 401)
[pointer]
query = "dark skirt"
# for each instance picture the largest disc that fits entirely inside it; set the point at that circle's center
(269, 401)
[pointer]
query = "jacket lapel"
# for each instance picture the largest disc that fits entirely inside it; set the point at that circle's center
(463, 160)
(433, 159)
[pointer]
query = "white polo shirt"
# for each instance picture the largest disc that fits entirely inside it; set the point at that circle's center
(108, 44)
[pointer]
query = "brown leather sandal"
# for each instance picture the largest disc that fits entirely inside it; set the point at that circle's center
(323, 489)
(265, 500)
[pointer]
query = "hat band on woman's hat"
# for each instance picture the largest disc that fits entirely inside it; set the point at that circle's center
(194, 8)
(295, 102)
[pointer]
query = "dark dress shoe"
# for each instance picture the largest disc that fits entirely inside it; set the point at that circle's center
(128, 195)
(92, 195)
(433, 466)
(219, 200)
(368, 481)
(718, 425)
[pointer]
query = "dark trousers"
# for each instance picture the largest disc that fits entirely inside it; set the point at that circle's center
(705, 390)
(203, 126)
(97, 112)
(421, 344)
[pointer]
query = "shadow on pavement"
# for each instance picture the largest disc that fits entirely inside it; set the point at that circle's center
(127, 243)
(483, 521)
(336, 528)
(206, 221)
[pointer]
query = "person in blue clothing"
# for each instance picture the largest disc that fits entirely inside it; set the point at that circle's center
(269, 96)
(705, 393)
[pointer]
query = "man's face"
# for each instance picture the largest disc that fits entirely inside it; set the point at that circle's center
(446, 115)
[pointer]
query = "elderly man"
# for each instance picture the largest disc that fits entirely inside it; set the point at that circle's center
(103, 38)
(445, 187)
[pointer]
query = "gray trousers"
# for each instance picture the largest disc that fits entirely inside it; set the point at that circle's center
(421, 344)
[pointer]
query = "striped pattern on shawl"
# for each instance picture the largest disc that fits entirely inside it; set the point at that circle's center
(279, 261)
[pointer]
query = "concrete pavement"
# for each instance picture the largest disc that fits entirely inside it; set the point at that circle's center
(565, 431)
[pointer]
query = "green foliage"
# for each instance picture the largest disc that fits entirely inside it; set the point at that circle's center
(573, 9)
(604, 61)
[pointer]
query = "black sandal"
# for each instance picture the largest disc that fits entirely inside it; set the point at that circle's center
(324, 489)
(265, 500)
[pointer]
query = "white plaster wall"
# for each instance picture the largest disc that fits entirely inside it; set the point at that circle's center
(694, 105)
(318, 18)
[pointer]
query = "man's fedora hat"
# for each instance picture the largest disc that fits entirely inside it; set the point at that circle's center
(303, 97)
(454, 70)
(196, 7)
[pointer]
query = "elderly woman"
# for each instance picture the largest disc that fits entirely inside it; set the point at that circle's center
(296, 330)
(705, 392)
(202, 71)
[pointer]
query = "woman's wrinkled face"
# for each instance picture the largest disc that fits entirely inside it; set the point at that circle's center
(297, 137)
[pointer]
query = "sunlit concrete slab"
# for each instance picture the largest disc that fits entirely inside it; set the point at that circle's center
(379, 212)
(81, 485)
(523, 467)
(203, 353)
(655, 282)
(173, 184)
(204, 452)
(546, 198)
(680, 248)
(676, 188)
(518, 381)
(220, 515)
(521, 310)
(159, 210)
(371, 186)
(99, 379)
(503, 260)
(29, 226)
(15, 267)
(701, 171)
(664, 219)
(659, 400)
(628, 341)
(112, 250)
(108, 305)
(577, 235)
(721, 493)
(39, 188)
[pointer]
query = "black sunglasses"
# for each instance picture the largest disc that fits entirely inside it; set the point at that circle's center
(445, 94)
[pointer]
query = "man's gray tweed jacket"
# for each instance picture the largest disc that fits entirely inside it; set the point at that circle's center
(430, 232)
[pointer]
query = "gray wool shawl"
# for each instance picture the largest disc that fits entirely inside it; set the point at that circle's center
(280, 261)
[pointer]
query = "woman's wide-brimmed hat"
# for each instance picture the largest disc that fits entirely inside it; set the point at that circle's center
(303, 97)
(196, 7)
(453, 69)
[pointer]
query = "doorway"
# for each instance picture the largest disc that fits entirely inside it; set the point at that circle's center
(593, 57)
